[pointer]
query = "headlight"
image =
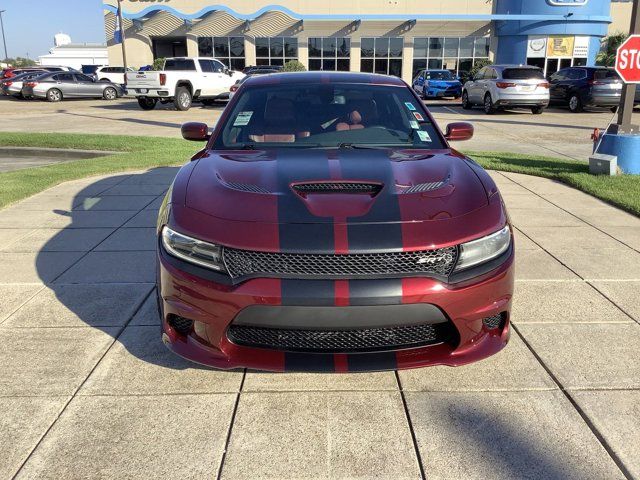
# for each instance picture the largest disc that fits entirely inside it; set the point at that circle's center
(484, 249)
(193, 250)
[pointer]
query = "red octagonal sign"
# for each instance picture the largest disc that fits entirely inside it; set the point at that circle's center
(628, 60)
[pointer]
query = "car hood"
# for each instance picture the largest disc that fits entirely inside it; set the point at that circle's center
(445, 83)
(354, 186)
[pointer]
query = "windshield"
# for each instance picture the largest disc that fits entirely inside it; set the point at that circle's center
(608, 74)
(522, 73)
(327, 115)
(440, 75)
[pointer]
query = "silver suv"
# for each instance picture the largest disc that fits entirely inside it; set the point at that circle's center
(507, 86)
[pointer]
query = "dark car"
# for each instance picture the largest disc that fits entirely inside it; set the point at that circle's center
(437, 83)
(327, 225)
(581, 87)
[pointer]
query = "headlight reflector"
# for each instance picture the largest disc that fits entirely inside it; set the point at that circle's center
(484, 249)
(193, 250)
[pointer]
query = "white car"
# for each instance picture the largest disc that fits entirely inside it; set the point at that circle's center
(497, 87)
(181, 81)
(111, 74)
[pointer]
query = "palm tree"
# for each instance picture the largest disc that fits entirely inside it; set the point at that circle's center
(610, 44)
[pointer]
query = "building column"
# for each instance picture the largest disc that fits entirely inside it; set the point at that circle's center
(192, 46)
(249, 50)
(354, 55)
(303, 51)
(407, 59)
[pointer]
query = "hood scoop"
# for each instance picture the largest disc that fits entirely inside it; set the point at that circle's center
(425, 187)
(243, 187)
(362, 188)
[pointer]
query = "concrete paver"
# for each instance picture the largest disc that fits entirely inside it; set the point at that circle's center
(112, 267)
(480, 435)
(34, 267)
(148, 313)
(320, 434)
(588, 356)
(174, 436)
(616, 414)
(539, 265)
(60, 240)
(13, 296)
(278, 382)
(624, 294)
(129, 239)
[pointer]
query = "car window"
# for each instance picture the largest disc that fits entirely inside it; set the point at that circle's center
(83, 78)
(54, 69)
(576, 74)
(218, 66)
(64, 77)
(180, 64)
(607, 74)
(522, 73)
(480, 75)
(557, 77)
(441, 75)
(327, 115)
(207, 66)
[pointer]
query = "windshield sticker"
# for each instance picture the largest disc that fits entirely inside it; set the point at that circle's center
(242, 119)
(410, 106)
(418, 116)
(414, 125)
(424, 136)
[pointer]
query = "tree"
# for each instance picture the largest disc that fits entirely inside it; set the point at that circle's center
(294, 66)
(478, 65)
(19, 62)
(158, 63)
(609, 48)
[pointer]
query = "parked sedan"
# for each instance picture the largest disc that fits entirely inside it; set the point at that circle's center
(57, 86)
(13, 86)
(580, 87)
(498, 87)
(437, 83)
(328, 225)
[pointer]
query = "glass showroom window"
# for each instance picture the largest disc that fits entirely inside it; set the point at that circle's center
(451, 53)
(381, 55)
(276, 50)
(329, 53)
(229, 50)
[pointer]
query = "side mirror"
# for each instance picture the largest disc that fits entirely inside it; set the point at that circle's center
(459, 131)
(195, 131)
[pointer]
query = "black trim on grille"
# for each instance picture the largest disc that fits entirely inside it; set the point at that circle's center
(436, 263)
(343, 341)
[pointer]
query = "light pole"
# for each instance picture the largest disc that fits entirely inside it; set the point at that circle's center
(4, 40)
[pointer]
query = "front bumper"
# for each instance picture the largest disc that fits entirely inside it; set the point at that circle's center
(215, 307)
(444, 92)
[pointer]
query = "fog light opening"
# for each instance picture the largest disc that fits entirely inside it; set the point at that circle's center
(182, 325)
(495, 322)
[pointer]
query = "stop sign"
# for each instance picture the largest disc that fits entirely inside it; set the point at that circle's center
(628, 60)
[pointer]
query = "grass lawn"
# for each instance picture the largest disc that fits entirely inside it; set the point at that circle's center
(139, 153)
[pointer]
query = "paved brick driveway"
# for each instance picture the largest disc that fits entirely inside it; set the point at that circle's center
(87, 390)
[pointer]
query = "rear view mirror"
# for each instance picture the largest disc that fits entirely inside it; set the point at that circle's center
(195, 131)
(459, 131)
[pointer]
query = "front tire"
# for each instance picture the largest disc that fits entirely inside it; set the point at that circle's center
(489, 109)
(575, 104)
(110, 93)
(466, 104)
(537, 110)
(147, 103)
(54, 95)
(183, 99)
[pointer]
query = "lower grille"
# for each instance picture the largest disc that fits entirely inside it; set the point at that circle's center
(438, 262)
(493, 322)
(180, 324)
(336, 341)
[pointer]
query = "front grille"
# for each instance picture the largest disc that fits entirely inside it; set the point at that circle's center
(337, 187)
(180, 324)
(335, 341)
(495, 321)
(242, 263)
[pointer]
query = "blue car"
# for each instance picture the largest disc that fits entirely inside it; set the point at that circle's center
(437, 83)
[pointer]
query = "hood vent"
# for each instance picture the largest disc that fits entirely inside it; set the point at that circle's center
(243, 187)
(425, 187)
(364, 188)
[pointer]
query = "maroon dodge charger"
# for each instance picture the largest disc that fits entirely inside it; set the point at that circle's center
(328, 226)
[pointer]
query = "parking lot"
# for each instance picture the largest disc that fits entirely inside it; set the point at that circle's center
(89, 391)
(557, 133)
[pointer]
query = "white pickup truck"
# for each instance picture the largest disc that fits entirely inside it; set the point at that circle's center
(181, 81)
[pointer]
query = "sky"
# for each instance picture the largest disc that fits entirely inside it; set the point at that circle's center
(30, 25)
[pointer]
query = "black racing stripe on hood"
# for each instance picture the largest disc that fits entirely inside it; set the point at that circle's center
(374, 165)
(296, 166)
(307, 362)
(375, 292)
(364, 362)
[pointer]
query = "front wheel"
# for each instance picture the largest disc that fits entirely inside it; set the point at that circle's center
(489, 109)
(54, 95)
(575, 104)
(537, 110)
(110, 93)
(182, 100)
(147, 103)
(466, 104)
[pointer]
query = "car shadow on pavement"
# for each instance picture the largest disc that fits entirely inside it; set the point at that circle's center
(127, 120)
(100, 268)
(133, 106)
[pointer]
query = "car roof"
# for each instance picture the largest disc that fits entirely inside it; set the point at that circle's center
(324, 77)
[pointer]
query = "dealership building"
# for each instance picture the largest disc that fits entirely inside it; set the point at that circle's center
(397, 37)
